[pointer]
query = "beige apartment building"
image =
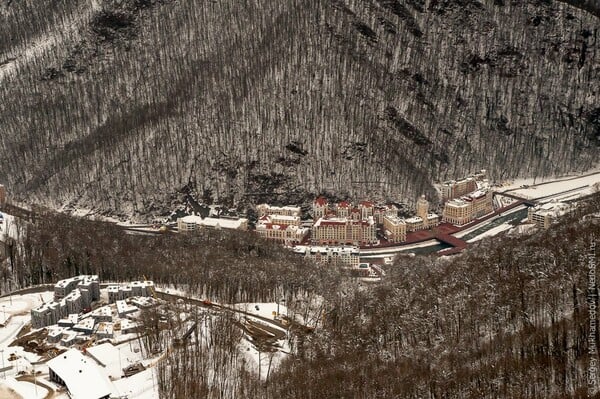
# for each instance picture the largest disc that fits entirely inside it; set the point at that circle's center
(344, 231)
(460, 211)
(285, 234)
(544, 215)
(457, 188)
(266, 209)
(453, 189)
(394, 228)
(320, 208)
(381, 212)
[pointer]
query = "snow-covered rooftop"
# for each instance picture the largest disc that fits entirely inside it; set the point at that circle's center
(192, 219)
(302, 249)
(81, 376)
(395, 219)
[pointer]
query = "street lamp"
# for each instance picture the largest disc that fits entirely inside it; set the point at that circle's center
(120, 365)
(35, 381)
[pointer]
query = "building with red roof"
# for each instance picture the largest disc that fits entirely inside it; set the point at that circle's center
(344, 231)
(320, 207)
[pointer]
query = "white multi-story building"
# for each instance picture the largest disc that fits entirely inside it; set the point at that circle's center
(74, 300)
(266, 209)
(123, 308)
(545, 215)
(136, 288)
(192, 222)
(336, 256)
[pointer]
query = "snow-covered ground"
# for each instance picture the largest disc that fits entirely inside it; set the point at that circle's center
(572, 187)
(14, 360)
(386, 251)
(492, 232)
(22, 389)
(139, 386)
(522, 229)
(16, 310)
(266, 310)
(264, 363)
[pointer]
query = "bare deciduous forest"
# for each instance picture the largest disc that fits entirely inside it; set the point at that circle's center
(508, 318)
(118, 105)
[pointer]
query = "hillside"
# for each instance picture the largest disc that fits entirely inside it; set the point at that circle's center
(122, 105)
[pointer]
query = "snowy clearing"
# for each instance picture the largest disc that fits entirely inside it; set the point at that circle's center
(571, 187)
(23, 389)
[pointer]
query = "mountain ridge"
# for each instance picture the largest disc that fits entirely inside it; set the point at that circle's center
(284, 101)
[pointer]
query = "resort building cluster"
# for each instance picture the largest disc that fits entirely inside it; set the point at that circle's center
(347, 224)
(336, 227)
(340, 224)
(72, 319)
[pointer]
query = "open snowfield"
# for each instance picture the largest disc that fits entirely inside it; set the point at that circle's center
(21, 389)
(140, 386)
(492, 232)
(572, 187)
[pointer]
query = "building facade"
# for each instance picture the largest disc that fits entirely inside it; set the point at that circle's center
(344, 231)
(545, 215)
(335, 256)
(193, 222)
(460, 211)
(320, 208)
(454, 189)
(382, 211)
(285, 234)
(394, 228)
(266, 209)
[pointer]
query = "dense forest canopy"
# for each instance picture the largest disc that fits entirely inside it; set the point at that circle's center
(119, 105)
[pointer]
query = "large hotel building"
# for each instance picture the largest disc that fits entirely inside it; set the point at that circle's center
(457, 188)
(465, 209)
(335, 256)
(283, 228)
(342, 231)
